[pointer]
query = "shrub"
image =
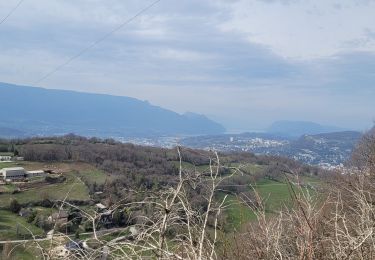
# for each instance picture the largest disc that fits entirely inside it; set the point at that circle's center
(14, 206)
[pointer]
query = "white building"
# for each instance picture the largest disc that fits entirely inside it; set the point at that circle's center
(13, 173)
(5, 158)
(100, 206)
(38, 173)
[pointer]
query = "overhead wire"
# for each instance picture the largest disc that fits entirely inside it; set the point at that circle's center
(11, 12)
(99, 40)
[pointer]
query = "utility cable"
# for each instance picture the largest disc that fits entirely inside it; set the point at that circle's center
(105, 36)
(11, 12)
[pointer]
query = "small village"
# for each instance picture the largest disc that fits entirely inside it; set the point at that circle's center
(50, 216)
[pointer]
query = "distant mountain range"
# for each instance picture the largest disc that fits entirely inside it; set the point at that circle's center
(298, 128)
(36, 111)
(31, 111)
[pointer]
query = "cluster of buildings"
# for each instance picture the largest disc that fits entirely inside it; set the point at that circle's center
(8, 158)
(5, 158)
(19, 173)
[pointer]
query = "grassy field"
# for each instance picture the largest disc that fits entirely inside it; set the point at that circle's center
(237, 213)
(94, 175)
(23, 252)
(248, 168)
(27, 165)
(75, 173)
(10, 222)
(6, 154)
(27, 250)
(191, 167)
(73, 187)
(9, 188)
(274, 194)
(9, 164)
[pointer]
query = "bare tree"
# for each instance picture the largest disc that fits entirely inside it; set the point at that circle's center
(168, 225)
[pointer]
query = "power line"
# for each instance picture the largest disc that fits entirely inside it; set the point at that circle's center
(105, 36)
(11, 12)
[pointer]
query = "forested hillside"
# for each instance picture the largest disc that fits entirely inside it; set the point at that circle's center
(139, 166)
(166, 202)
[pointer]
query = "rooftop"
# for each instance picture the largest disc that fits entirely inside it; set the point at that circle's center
(101, 206)
(13, 169)
(36, 171)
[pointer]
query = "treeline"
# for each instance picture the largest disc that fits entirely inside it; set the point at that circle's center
(147, 168)
(336, 223)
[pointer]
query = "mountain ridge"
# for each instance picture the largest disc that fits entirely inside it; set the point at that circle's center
(50, 111)
(298, 128)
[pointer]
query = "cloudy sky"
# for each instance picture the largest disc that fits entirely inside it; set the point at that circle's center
(244, 63)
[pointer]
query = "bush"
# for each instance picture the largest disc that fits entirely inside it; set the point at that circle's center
(31, 217)
(335, 223)
(46, 203)
(55, 180)
(14, 206)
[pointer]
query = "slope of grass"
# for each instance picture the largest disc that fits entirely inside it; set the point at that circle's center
(9, 164)
(191, 167)
(274, 194)
(22, 252)
(6, 154)
(73, 188)
(94, 176)
(237, 213)
(248, 168)
(11, 224)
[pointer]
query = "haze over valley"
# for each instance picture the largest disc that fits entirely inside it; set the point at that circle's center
(199, 130)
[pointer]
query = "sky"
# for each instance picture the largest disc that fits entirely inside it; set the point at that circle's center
(243, 63)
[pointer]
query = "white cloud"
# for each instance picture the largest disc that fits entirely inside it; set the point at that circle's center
(183, 55)
(305, 29)
(245, 63)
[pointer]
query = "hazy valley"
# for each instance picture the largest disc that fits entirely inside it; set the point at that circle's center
(197, 130)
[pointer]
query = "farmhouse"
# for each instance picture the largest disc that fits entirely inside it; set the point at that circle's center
(38, 173)
(13, 173)
(100, 207)
(59, 218)
(5, 158)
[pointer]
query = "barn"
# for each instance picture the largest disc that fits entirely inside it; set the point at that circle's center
(13, 173)
(38, 173)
